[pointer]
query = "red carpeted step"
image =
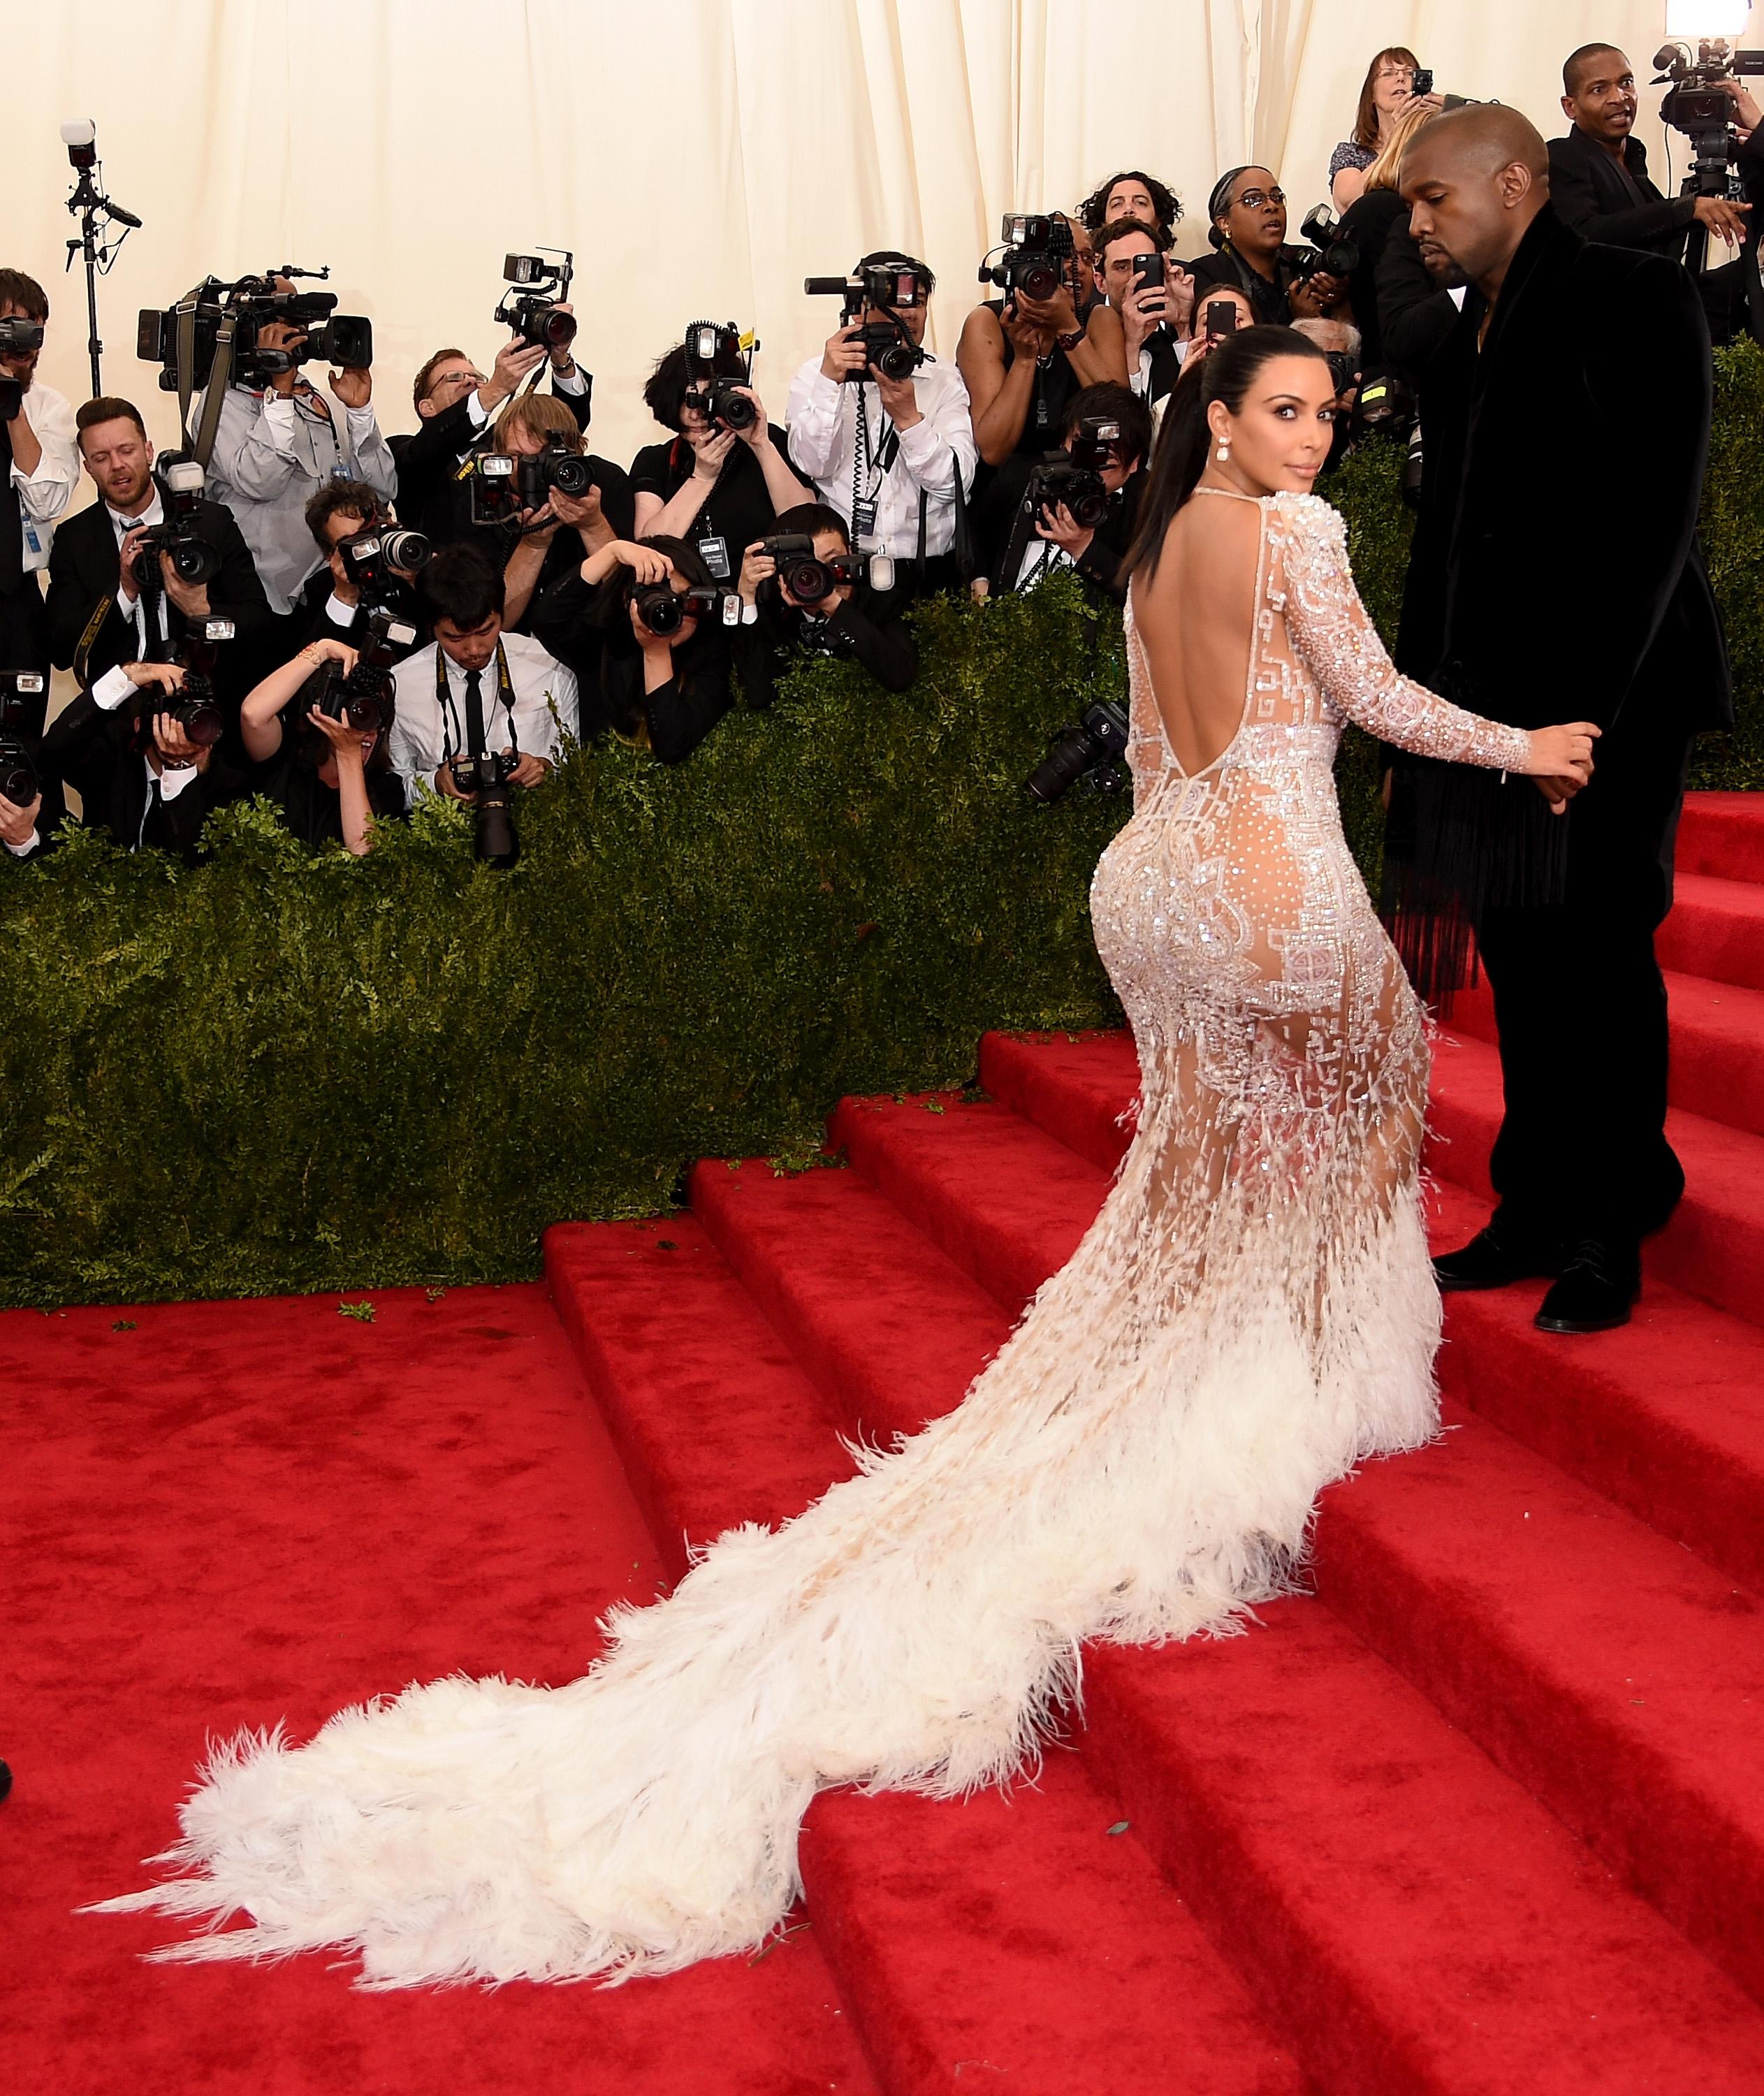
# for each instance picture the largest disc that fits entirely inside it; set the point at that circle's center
(1718, 1045)
(1016, 1937)
(1723, 834)
(1716, 929)
(1712, 1247)
(1388, 1893)
(1082, 1089)
(1665, 1416)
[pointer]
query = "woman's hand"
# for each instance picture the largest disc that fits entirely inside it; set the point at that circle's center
(756, 567)
(345, 740)
(758, 434)
(339, 652)
(1562, 760)
(645, 563)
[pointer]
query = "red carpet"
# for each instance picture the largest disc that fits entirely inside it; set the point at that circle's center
(1485, 1818)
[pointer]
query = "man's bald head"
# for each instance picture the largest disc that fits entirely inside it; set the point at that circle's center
(1473, 180)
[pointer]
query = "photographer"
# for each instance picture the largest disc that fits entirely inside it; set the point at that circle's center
(331, 781)
(718, 488)
(1023, 359)
(1387, 95)
(662, 691)
(1030, 539)
(549, 541)
(1248, 229)
(124, 750)
(331, 602)
(847, 618)
(1156, 317)
(476, 690)
(1340, 342)
(31, 805)
(100, 617)
(41, 467)
(456, 401)
(1132, 194)
(896, 471)
(276, 444)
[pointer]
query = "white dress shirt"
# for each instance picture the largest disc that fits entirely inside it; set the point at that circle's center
(423, 734)
(823, 416)
(44, 494)
(152, 639)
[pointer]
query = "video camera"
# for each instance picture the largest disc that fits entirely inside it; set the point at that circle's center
(1093, 751)
(883, 287)
(665, 609)
(710, 352)
(377, 557)
(19, 337)
(364, 698)
(1075, 477)
(183, 341)
(536, 288)
(192, 559)
(1037, 249)
(194, 706)
(806, 579)
(1694, 105)
(21, 691)
(502, 486)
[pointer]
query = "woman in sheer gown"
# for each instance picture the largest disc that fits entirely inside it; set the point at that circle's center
(1252, 1314)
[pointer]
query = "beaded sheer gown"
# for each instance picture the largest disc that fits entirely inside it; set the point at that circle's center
(1251, 1315)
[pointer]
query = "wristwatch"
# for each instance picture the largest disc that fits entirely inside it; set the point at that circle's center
(1069, 342)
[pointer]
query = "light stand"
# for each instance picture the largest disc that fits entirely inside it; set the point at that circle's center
(94, 246)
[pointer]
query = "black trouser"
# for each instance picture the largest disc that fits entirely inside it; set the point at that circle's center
(24, 639)
(1581, 1009)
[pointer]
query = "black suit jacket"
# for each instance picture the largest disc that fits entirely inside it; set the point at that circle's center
(1005, 532)
(84, 619)
(1538, 592)
(866, 629)
(94, 753)
(1592, 196)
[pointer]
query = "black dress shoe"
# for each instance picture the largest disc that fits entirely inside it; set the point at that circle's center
(1494, 1257)
(1596, 1289)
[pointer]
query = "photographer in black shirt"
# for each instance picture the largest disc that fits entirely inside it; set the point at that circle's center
(1247, 212)
(331, 602)
(330, 779)
(846, 617)
(716, 486)
(663, 690)
(1026, 537)
(549, 541)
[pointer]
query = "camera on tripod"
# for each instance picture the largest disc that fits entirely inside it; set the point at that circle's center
(807, 580)
(21, 692)
(184, 340)
(1075, 477)
(195, 707)
(502, 486)
(1093, 751)
(710, 352)
(1328, 254)
(365, 697)
(377, 559)
(193, 560)
(1703, 111)
(536, 288)
(882, 287)
(1037, 250)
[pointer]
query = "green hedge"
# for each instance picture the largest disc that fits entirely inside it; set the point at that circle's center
(295, 1070)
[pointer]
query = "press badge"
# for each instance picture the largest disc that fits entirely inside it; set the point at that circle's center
(714, 553)
(33, 544)
(863, 519)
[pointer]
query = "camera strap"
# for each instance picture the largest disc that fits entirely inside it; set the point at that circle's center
(471, 743)
(219, 377)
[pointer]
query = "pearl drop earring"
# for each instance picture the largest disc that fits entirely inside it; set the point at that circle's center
(1225, 449)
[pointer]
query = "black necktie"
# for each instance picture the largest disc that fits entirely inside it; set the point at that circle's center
(474, 715)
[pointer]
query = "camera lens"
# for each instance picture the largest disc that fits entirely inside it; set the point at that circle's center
(1040, 280)
(17, 778)
(1071, 756)
(192, 561)
(660, 608)
(200, 720)
(571, 474)
(557, 329)
(408, 550)
(807, 581)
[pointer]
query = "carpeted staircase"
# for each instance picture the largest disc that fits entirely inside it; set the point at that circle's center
(1485, 1816)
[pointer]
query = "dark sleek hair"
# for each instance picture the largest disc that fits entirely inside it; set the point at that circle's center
(1572, 64)
(1121, 404)
(341, 498)
(665, 390)
(460, 584)
(1219, 201)
(810, 518)
(1163, 200)
(1366, 117)
(16, 289)
(106, 408)
(1179, 457)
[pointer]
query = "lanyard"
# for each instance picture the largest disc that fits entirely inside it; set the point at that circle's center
(453, 739)
(870, 468)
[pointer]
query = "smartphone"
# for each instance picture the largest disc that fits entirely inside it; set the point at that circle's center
(1423, 80)
(1148, 272)
(1222, 317)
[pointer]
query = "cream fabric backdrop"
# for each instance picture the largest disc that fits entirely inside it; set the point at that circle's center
(700, 156)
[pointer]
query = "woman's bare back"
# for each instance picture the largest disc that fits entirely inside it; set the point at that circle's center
(1196, 618)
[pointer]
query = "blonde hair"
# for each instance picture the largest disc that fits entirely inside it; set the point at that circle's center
(1385, 171)
(541, 416)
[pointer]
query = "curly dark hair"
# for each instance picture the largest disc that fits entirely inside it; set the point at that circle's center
(1164, 201)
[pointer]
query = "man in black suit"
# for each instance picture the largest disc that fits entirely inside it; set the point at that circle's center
(1020, 547)
(779, 629)
(1539, 590)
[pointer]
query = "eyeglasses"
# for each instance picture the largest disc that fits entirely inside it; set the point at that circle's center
(460, 378)
(1254, 199)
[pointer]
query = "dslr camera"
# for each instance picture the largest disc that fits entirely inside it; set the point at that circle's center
(192, 559)
(246, 307)
(1093, 751)
(374, 556)
(884, 287)
(536, 288)
(483, 778)
(21, 691)
(665, 609)
(1328, 252)
(805, 579)
(502, 485)
(1075, 477)
(710, 352)
(365, 697)
(194, 706)
(1037, 249)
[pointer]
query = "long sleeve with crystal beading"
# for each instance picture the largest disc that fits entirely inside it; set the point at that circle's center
(1330, 627)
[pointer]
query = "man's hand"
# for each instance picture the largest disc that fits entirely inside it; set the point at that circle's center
(580, 512)
(844, 352)
(1028, 336)
(170, 675)
(756, 568)
(1719, 217)
(190, 598)
(539, 527)
(176, 748)
(18, 825)
(711, 447)
(529, 771)
(515, 361)
(1058, 525)
(1746, 112)
(128, 553)
(1141, 311)
(900, 401)
(443, 784)
(1054, 316)
(278, 335)
(353, 386)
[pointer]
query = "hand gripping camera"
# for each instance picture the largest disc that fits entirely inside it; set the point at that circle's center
(1093, 751)
(364, 698)
(805, 579)
(1075, 477)
(183, 339)
(1328, 252)
(194, 706)
(193, 560)
(21, 692)
(883, 288)
(1038, 249)
(710, 351)
(536, 288)
(502, 485)
(379, 557)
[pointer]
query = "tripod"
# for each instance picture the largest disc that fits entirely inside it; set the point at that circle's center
(93, 246)
(1712, 172)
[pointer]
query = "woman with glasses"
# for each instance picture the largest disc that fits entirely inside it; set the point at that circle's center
(1387, 92)
(1248, 228)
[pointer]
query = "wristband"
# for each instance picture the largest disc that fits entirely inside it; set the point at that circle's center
(1069, 342)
